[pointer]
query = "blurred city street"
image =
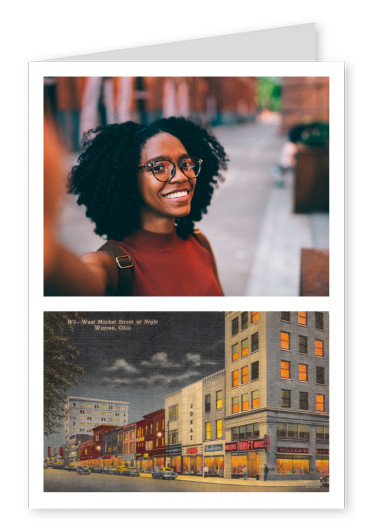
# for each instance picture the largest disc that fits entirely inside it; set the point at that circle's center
(250, 224)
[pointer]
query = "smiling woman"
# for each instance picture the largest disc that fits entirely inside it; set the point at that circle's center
(144, 187)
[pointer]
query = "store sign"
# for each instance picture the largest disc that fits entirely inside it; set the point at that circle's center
(284, 450)
(175, 449)
(239, 446)
(128, 457)
(214, 448)
(322, 451)
(192, 451)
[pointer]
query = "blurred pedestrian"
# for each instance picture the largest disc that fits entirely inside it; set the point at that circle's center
(266, 470)
(244, 472)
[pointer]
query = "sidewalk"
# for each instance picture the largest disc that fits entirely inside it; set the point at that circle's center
(276, 266)
(248, 482)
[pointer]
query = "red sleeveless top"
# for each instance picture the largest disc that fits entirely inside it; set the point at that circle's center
(166, 265)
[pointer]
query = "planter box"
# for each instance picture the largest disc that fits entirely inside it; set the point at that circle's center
(311, 186)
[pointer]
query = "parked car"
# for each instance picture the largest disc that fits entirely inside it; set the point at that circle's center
(120, 470)
(164, 473)
(324, 480)
(131, 471)
(83, 470)
(108, 470)
(96, 469)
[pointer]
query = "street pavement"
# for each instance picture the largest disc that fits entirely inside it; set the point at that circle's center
(255, 235)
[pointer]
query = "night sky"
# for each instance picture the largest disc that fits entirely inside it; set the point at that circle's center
(154, 354)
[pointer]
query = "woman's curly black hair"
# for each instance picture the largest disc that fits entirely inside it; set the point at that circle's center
(105, 177)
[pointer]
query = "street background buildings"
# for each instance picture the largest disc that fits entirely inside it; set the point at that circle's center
(262, 215)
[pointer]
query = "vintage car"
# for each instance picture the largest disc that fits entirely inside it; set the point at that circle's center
(164, 473)
(82, 470)
(324, 480)
(131, 471)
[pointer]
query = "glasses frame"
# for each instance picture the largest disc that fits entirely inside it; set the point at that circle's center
(150, 166)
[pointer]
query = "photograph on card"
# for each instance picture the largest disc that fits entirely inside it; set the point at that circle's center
(216, 401)
(186, 186)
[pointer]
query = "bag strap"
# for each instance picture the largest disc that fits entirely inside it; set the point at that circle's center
(125, 267)
(204, 242)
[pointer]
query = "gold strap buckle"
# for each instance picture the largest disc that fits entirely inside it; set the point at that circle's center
(124, 266)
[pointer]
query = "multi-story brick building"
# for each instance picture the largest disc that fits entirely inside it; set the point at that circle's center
(154, 434)
(277, 394)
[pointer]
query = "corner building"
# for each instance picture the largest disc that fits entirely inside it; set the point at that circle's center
(277, 394)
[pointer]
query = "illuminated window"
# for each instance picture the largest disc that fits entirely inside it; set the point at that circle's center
(208, 431)
(235, 326)
(322, 433)
(235, 378)
(254, 342)
(303, 344)
(302, 318)
(245, 347)
(218, 398)
(285, 398)
(320, 403)
(235, 352)
(173, 412)
(285, 316)
(303, 400)
(255, 370)
(255, 317)
(235, 404)
(319, 348)
(219, 428)
(207, 403)
(245, 374)
(319, 320)
(303, 372)
(245, 402)
(255, 399)
(285, 369)
(285, 341)
(244, 320)
(320, 375)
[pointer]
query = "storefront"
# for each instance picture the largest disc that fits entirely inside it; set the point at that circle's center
(246, 454)
(145, 463)
(293, 461)
(192, 461)
(129, 459)
(322, 461)
(214, 460)
(174, 457)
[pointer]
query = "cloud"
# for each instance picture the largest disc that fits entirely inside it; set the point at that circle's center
(160, 359)
(152, 379)
(122, 365)
(197, 361)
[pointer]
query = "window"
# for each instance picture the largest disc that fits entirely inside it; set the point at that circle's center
(235, 404)
(235, 352)
(244, 320)
(173, 412)
(320, 403)
(285, 369)
(255, 317)
(245, 374)
(282, 430)
(218, 399)
(218, 428)
(303, 400)
(254, 342)
(322, 433)
(249, 431)
(292, 431)
(320, 375)
(303, 372)
(303, 432)
(235, 326)
(285, 398)
(319, 348)
(285, 316)
(208, 431)
(303, 344)
(302, 318)
(245, 347)
(245, 402)
(255, 399)
(255, 370)
(207, 403)
(173, 437)
(319, 320)
(285, 341)
(235, 378)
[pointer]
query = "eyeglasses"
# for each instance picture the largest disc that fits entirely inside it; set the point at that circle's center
(165, 170)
